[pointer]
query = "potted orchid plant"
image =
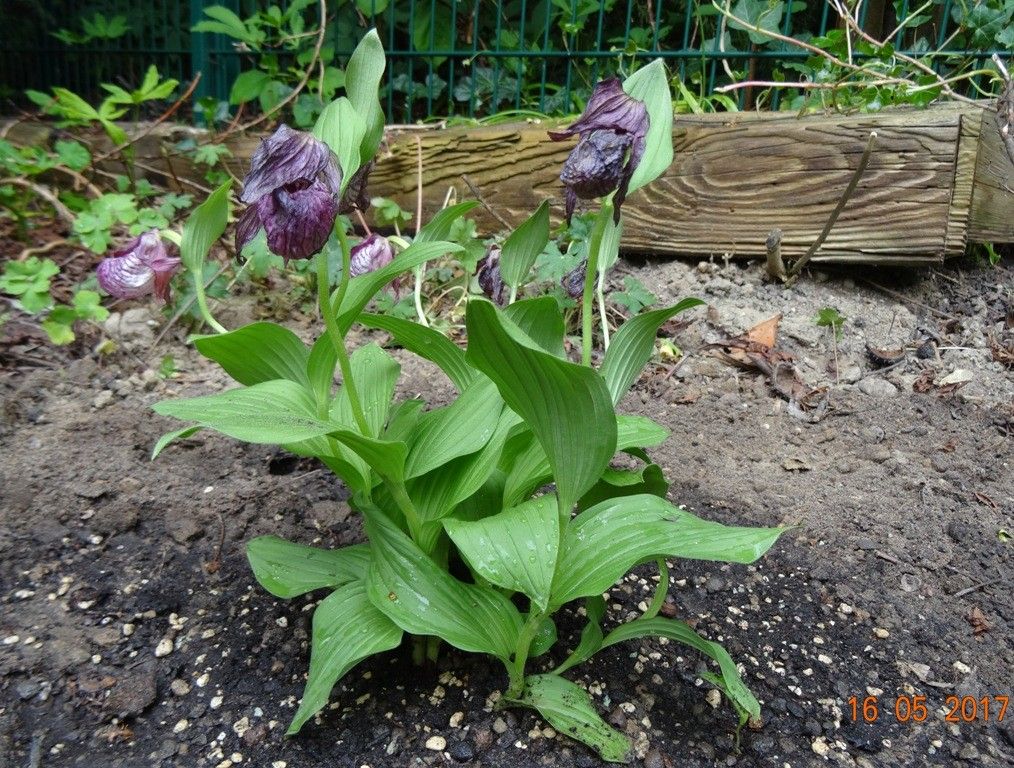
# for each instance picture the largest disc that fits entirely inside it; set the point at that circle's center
(486, 516)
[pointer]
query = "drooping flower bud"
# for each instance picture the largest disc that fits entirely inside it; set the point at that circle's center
(369, 255)
(573, 281)
(292, 192)
(356, 195)
(140, 267)
(611, 124)
(487, 272)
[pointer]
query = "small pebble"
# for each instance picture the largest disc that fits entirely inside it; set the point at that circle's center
(499, 725)
(436, 743)
(882, 633)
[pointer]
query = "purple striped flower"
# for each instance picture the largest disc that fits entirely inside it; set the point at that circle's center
(140, 267)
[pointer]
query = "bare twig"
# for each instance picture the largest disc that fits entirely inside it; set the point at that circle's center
(776, 267)
(798, 265)
(152, 125)
(482, 200)
(61, 210)
(295, 91)
(52, 244)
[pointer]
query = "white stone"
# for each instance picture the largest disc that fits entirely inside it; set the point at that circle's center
(436, 743)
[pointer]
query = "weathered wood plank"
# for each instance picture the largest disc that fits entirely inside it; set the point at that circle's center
(992, 207)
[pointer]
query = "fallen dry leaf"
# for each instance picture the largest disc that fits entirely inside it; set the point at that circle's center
(977, 619)
(765, 333)
(924, 383)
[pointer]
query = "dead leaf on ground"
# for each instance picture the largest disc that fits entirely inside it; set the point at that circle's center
(765, 333)
(949, 446)
(793, 464)
(980, 625)
(985, 500)
(882, 357)
(924, 383)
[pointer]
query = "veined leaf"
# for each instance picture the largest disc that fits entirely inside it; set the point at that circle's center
(342, 128)
(427, 343)
(542, 322)
(346, 629)
(170, 437)
(439, 227)
(362, 81)
(566, 405)
(515, 549)
(422, 598)
(376, 375)
(320, 367)
(204, 226)
(569, 709)
(286, 569)
(650, 84)
(632, 346)
(523, 246)
(626, 482)
(258, 352)
(680, 632)
(604, 542)
(461, 428)
(363, 288)
(591, 635)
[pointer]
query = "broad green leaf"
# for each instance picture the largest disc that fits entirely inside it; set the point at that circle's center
(320, 367)
(680, 632)
(170, 437)
(609, 245)
(461, 428)
(363, 288)
(566, 405)
(73, 154)
(376, 375)
(439, 227)
(258, 352)
(422, 598)
(362, 81)
(426, 343)
(523, 246)
(604, 542)
(545, 637)
(540, 318)
(248, 86)
(438, 492)
(632, 346)
(346, 629)
(626, 482)
(650, 84)
(276, 412)
(569, 709)
(591, 635)
(204, 226)
(286, 569)
(515, 549)
(342, 128)
(530, 468)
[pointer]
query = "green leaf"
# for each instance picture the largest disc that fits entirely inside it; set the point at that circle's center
(73, 154)
(170, 437)
(591, 635)
(362, 81)
(440, 226)
(204, 226)
(346, 629)
(426, 343)
(650, 84)
(604, 542)
(422, 598)
(58, 329)
(545, 637)
(680, 632)
(320, 368)
(566, 405)
(461, 428)
(376, 375)
(626, 482)
(515, 549)
(272, 412)
(363, 288)
(523, 246)
(286, 569)
(569, 709)
(632, 346)
(342, 128)
(258, 352)
(541, 320)
(248, 86)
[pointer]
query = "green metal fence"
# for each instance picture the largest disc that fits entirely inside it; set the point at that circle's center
(478, 57)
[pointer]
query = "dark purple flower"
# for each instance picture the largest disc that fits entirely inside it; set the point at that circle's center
(140, 267)
(356, 195)
(573, 281)
(292, 191)
(369, 255)
(487, 272)
(611, 124)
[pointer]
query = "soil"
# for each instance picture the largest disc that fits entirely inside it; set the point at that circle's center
(132, 633)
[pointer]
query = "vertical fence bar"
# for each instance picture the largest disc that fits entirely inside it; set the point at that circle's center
(545, 60)
(199, 56)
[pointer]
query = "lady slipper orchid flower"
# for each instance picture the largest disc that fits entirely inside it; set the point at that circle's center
(369, 255)
(487, 272)
(573, 282)
(292, 191)
(140, 267)
(611, 124)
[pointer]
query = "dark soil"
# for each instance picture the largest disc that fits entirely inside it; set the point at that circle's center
(132, 633)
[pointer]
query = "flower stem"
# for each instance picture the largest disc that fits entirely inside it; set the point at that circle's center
(591, 270)
(334, 332)
(202, 305)
(516, 670)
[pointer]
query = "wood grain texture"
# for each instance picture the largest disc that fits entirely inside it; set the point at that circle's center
(992, 207)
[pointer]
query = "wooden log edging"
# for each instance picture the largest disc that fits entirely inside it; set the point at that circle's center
(938, 179)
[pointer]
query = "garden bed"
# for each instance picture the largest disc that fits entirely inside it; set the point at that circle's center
(134, 635)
